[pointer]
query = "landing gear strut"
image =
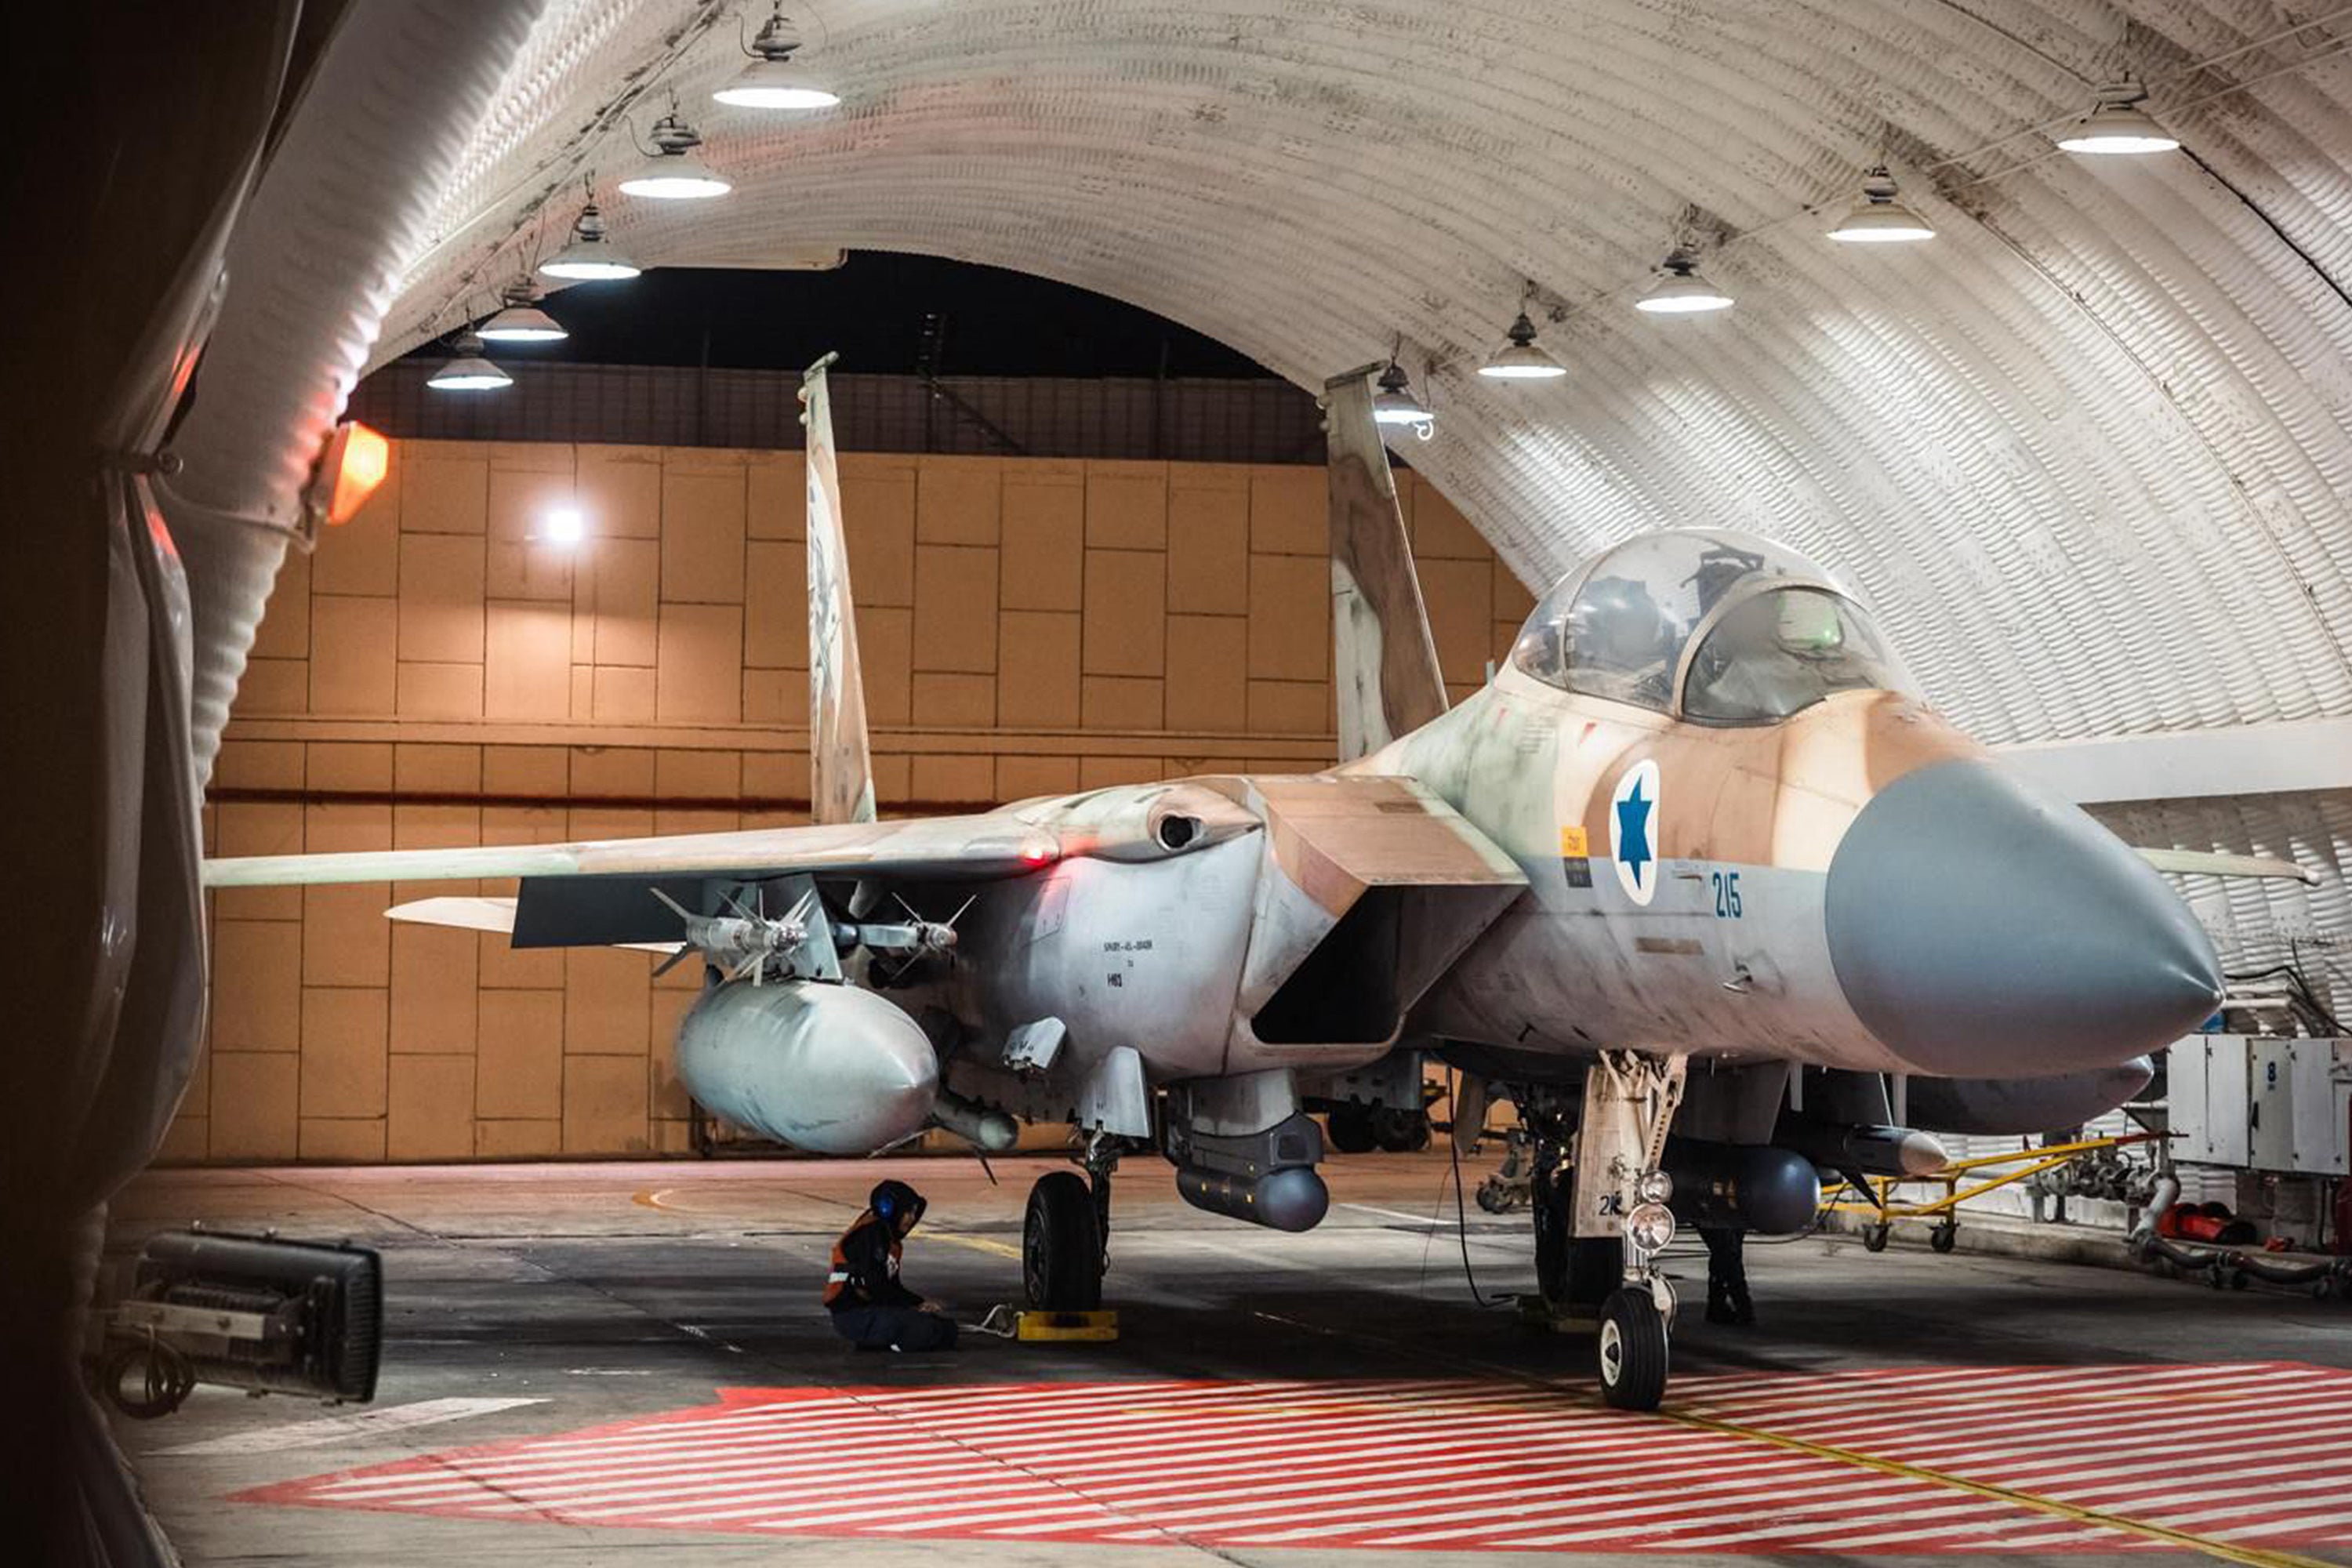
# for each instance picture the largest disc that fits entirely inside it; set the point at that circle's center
(1574, 1273)
(1066, 1234)
(1619, 1192)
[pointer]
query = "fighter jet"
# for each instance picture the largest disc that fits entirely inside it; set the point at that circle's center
(1695, 880)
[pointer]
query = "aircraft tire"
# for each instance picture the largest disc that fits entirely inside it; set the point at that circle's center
(1061, 1246)
(1401, 1131)
(1632, 1350)
(1350, 1127)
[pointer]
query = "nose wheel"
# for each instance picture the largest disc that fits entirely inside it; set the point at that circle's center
(1620, 1195)
(1633, 1350)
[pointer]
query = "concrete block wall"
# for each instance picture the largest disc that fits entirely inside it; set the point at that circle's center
(439, 674)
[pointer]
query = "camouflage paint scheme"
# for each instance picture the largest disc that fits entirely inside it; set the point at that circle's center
(1157, 952)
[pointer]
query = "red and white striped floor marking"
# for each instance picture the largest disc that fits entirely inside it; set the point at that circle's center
(2092, 1456)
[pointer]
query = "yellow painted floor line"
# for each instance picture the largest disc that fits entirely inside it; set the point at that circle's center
(2162, 1534)
(977, 1243)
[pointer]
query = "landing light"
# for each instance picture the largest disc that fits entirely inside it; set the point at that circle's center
(1650, 1227)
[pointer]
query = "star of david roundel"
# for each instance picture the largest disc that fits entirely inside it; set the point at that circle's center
(1633, 830)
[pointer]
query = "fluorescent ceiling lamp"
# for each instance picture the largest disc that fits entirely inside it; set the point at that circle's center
(590, 258)
(672, 173)
(771, 80)
(467, 370)
(1394, 404)
(1880, 216)
(2118, 125)
(775, 84)
(522, 321)
(1520, 359)
(1682, 291)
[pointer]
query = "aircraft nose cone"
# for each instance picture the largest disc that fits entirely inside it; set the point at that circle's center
(1980, 930)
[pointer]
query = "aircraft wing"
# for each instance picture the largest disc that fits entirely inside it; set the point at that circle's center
(596, 893)
(2206, 863)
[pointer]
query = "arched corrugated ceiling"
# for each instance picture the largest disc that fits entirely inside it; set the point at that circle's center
(2089, 450)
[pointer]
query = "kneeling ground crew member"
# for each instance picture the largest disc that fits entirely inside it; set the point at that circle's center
(870, 1308)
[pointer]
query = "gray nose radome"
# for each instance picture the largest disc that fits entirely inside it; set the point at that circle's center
(1980, 930)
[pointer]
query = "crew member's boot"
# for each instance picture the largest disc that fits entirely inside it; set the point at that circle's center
(1727, 1300)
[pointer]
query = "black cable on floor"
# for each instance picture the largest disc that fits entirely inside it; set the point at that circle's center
(1462, 1210)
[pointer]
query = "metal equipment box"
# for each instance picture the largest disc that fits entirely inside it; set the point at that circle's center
(2262, 1104)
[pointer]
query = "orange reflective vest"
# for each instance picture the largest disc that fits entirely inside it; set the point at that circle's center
(843, 1281)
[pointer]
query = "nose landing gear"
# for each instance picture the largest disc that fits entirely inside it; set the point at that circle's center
(1600, 1218)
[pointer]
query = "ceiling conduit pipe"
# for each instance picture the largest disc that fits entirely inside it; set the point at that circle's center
(341, 209)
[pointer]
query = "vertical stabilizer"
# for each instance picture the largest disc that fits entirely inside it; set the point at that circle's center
(1382, 657)
(841, 764)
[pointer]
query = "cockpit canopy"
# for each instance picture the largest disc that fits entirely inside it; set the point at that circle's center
(1773, 634)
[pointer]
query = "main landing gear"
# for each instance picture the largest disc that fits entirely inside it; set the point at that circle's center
(1066, 1234)
(1600, 1218)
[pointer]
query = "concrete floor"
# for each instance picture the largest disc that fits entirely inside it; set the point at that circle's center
(607, 1294)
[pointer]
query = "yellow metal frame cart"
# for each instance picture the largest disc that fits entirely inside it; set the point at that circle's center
(1957, 1184)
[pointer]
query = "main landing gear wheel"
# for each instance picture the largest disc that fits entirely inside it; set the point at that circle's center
(1351, 1130)
(1633, 1351)
(1401, 1131)
(1062, 1244)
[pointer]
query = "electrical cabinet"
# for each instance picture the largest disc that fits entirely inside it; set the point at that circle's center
(2262, 1104)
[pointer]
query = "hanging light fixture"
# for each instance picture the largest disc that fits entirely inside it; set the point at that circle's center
(671, 172)
(771, 80)
(2117, 124)
(1519, 358)
(1394, 404)
(521, 320)
(590, 258)
(1682, 291)
(1879, 215)
(467, 370)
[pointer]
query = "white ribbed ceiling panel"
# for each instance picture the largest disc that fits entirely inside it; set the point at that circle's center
(2089, 450)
